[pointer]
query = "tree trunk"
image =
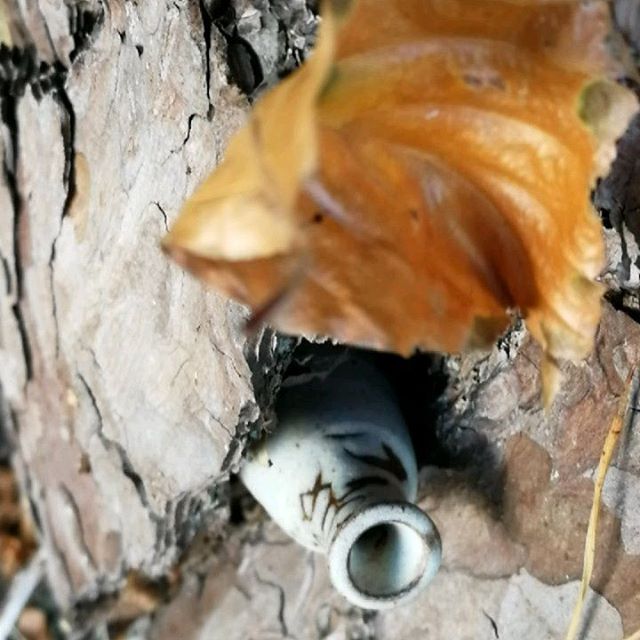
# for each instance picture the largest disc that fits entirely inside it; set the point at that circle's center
(127, 384)
(129, 390)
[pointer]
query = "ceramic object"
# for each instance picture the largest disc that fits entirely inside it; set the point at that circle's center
(339, 476)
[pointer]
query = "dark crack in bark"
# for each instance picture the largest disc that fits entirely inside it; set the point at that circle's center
(84, 24)
(187, 136)
(68, 132)
(206, 34)
(494, 625)
(219, 423)
(54, 302)
(8, 109)
(165, 220)
(246, 425)
(19, 69)
(281, 602)
(7, 275)
(126, 465)
(189, 123)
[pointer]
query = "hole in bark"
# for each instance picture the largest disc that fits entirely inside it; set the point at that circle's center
(418, 383)
(84, 25)
(626, 301)
(287, 31)
(448, 448)
(244, 66)
(242, 505)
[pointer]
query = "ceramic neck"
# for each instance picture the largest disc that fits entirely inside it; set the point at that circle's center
(384, 554)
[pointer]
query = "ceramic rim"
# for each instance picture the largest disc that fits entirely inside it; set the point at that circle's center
(385, 513)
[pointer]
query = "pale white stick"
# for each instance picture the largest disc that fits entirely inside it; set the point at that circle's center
(20, 590)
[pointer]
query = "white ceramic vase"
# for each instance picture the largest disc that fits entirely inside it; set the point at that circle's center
(339, 476)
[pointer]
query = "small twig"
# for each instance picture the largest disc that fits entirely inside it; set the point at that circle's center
(22, 586)
(615, 429)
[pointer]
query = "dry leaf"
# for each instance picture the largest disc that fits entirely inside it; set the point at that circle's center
(17, 536)
(259, 179)
(412, 189)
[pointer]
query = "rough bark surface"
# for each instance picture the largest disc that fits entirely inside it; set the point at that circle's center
(129, 391)
(125, 381)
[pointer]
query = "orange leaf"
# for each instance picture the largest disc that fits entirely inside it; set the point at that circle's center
(426, 173)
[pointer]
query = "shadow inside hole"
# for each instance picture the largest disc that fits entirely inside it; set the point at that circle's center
(241, 502)
(418, 383)
(440, 440)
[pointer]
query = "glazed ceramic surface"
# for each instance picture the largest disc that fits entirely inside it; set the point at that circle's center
(339, 476)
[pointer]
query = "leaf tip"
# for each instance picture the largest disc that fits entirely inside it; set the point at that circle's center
(551, 380)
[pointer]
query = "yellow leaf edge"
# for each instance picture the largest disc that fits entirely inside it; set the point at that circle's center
(255, 187)
(244, 209)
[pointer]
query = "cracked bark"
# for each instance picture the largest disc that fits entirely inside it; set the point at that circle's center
(129, 391)
(282, 602)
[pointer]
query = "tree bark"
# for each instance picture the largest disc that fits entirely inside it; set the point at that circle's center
(127, 385)
(129, 391)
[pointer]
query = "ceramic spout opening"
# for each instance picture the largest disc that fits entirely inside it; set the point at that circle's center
(385, 555)
(377, 561)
